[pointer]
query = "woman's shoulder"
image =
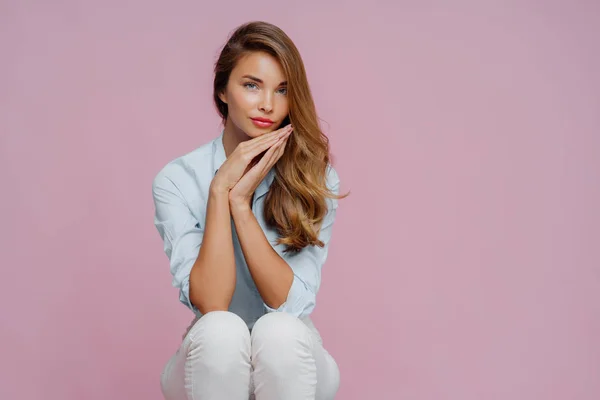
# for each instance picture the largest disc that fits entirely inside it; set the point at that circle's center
(192, 168)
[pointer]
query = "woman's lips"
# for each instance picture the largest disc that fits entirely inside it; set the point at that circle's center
(261, 124)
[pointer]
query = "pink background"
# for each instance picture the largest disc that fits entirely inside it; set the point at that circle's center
(464, 265)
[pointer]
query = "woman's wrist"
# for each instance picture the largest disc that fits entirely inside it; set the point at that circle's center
(237, 206)
(215, 189)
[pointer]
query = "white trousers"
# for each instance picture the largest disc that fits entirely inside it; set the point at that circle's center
(281, 359)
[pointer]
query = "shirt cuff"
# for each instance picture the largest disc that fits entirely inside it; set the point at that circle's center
(184, 297)
(299, 302)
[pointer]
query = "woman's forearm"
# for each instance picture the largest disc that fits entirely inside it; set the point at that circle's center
(212, 279)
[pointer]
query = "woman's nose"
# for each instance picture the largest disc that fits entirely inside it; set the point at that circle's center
(266, 105)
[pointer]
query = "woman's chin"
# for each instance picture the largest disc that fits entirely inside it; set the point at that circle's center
(254, 132)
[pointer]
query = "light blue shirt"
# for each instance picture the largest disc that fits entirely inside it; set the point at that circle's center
(180, 192)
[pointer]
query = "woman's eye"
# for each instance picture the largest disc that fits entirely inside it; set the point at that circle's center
(254, 86)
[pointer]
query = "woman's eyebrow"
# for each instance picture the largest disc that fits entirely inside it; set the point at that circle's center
(260, 80)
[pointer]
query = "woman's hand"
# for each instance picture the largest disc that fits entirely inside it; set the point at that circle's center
(241, 193)
(238, 162)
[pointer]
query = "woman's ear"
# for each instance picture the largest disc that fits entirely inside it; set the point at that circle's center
(222, 97)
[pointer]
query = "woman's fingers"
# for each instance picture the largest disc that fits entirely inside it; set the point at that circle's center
(255, 146)
(242, 158)
(246, 152)
(278, 150)
(271, 156)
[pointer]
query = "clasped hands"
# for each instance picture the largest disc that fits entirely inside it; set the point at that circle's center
(241, 173)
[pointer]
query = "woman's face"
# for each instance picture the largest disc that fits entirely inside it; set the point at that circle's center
(257, 89)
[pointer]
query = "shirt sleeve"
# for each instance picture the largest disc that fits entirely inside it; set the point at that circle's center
(308, 262)
(180, 231)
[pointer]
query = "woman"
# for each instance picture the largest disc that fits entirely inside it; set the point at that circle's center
(246, 221)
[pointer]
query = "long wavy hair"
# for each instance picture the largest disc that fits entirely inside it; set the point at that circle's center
(296, 202)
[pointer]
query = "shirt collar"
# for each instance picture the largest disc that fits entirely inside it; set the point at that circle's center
(219, 158)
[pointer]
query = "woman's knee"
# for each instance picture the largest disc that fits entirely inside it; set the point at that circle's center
(279, 325)
(217, 324)
(214, 355)
(281, 333)
(221, 334)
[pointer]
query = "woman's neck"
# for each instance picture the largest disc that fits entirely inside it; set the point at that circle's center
(232, 136)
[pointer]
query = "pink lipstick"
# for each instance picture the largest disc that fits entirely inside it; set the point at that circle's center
(262, 122)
